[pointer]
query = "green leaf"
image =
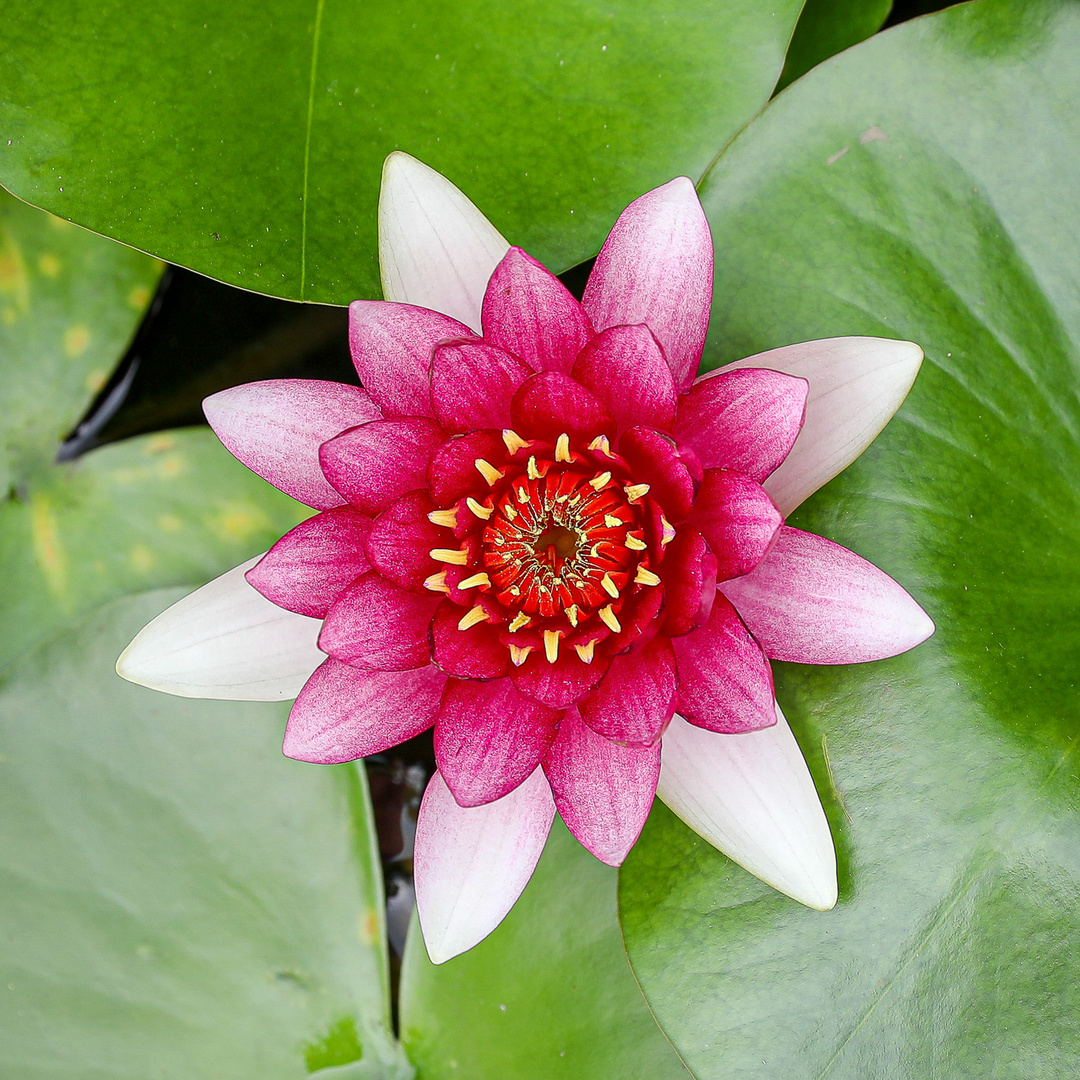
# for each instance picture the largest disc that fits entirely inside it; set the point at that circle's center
(245, 140)
(924, 185)
(548, 996)
(827, 27)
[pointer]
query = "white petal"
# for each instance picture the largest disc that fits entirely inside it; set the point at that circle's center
(471, 863)
(225, 641)
(752, 797)
(856, 385)
(436, 250)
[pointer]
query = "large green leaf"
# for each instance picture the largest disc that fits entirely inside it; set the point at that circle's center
(548, 996)
(924, 185)
(245, 140)
(827, 27)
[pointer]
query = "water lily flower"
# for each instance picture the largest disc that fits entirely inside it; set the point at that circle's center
(539, 533)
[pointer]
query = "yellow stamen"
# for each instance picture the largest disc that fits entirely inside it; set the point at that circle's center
(450, 555)
(609, 586)
(634, 544)
(476, 579)
(437, 582)
(479, 509)
(551, 645)
(601, 443)
(636, 491)
(608, 618)
(645, 577)
(667, 531)
(523, 495)
(611, 521)
(572, 614)
(446, 518)
(586, 651)
(514, 442)
(532, 470)
(514, 590)
(520, 653)
(488, 471)
(472, 617)
(520, 620)
(510, 512)
(562, 447)
(597, 482)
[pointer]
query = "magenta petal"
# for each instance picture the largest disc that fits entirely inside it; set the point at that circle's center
(656, 460)
(656, 268)
(562, 683)
(603, 792)
(746, 420)
(689, 573)
(814, 602)
(402, 538)
(376, 463)
(391, 350)
(550, 403)
(475, 653)
(276, 428)
(309, 566)
(472, 383)
(636, 700)
(528, 311)
(344, 713)
(453, 473)
(377, 624)
(737, 518)
(626, 370)
(489, 737)
(725, 681)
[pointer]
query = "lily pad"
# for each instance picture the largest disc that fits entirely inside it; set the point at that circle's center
(923, 185)
(827, 27)
(245, 140)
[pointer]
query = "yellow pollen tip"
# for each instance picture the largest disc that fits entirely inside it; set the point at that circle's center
(572, 614)
(523, 495)
(472, 582)
(509, 512)
(586, 652)
(450, 555)
(488, 471)
(597, 482)
(514, 442)
(437, 582)
(611, 521)
(562, 447)
(519, 654)
(609, 619)
(520, 620)
(472, 617)
(645, 577)
(532, 470)
(668, 531)
(634, 544)
(601, 443)
(636, 491)
(479, 509)
(551, 645)
(609, 586)
(446, 518)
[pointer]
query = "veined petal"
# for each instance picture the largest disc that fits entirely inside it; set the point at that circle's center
(814, 602)
(752, 797)
(471, 863)
(224, 641)
(737, 518)
(472, 383)
(656, 268)
(549, 403)
(856, 385)
(436, 250)
(276, 428)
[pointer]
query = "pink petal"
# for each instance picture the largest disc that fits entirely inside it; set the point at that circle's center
(738, 520)
(689, 574)
(402, 538)
(489, 738)
(344, 713)
(453, 472)
(725, 682)
(475, 653)
(376, 463)
(625, 369)
(656, 460)
(856, 384)
(813, 602)
(746, 420)
(276, 428)
(656, 268)
(472, 384)
(562, 683)
(309, 566)
(379, 625)
(550, 403)
(529, 312)
(472, 863)
(603, 792)
(636, 700)
(391, 350)
(435, 248)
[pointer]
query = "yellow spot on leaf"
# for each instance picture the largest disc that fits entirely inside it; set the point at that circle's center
(10, 315)
(139, 297)
(169, 523)
(170, 467)
(48, 546)
(76, 338)
(160, 443)
(142, 559)
(60, 224)
(14, 283)
(49, 265)
(95, 380)
(369, 927)
(236, 522)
